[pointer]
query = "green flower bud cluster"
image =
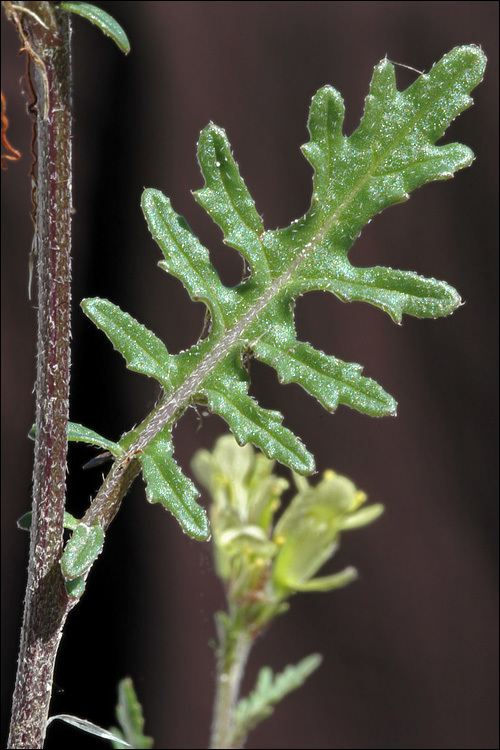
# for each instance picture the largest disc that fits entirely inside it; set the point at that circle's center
(264, 560)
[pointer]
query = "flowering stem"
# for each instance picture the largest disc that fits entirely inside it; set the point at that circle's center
(234, 648)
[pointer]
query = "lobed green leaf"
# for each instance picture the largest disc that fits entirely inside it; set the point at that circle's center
(268, 692)
(392, 152)
(130, 718)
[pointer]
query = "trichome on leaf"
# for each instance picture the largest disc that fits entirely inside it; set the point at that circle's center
(391, 153)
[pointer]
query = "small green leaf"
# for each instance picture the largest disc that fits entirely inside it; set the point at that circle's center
(166, 484)
(75, 587)
(87, 726)
(24, 522)
(81, 550)
(77, 433)
(107, 24)
(268, 692)
(81, 434)
(70, 522)
(130, 718)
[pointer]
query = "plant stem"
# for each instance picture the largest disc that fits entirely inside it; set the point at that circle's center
(233, 653)
(45, 33)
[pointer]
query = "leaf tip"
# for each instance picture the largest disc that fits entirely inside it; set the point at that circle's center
(307, 463)
(473, 56)
(106, 23)
(196, 525)
(203, 532)
(87, 304)
(150, 197)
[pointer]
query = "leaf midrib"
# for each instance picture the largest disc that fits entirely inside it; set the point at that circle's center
(171, 405)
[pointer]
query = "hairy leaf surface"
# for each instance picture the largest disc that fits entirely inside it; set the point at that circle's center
(392, 152)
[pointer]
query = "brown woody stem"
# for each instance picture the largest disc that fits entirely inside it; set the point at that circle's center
(45, 35)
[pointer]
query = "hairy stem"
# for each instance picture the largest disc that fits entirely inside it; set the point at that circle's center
(231, 662)
(45, 34)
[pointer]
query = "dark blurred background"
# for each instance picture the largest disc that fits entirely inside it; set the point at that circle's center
(411, 648)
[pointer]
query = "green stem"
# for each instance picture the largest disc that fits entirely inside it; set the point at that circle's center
(45, 35)
(232, 658)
